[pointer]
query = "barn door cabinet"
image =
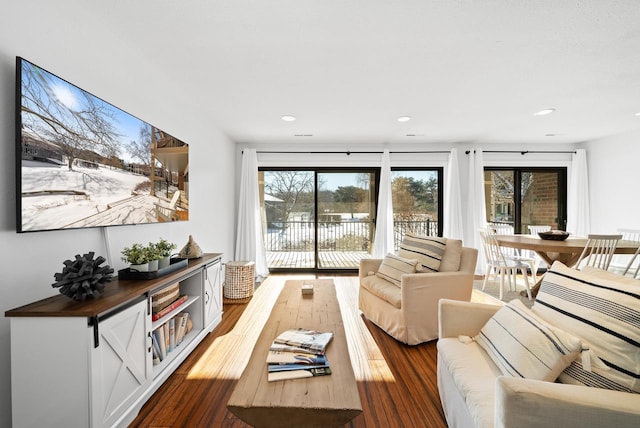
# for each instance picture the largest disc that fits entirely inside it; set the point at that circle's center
(213, 293)
(91, 364)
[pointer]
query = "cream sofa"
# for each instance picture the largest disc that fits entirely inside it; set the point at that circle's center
(474, 393)
(409, 313)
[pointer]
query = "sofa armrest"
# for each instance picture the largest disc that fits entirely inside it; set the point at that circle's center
(368, 265)
(463, 318)
(532, 403)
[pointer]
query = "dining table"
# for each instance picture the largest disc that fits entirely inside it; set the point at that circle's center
(567, 251)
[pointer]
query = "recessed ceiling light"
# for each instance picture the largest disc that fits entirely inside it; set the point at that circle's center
(404, 118)
(288, 118)
(638, 113)
(544, 112)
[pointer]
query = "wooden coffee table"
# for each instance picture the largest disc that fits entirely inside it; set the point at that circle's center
(321, 401)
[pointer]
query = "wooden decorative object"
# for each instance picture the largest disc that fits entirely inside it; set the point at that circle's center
(83, 277)
(191, 250)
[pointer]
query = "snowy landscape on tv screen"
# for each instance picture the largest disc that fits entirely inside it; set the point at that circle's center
(84, 163)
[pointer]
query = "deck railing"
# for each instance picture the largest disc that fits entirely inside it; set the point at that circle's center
(345, 235)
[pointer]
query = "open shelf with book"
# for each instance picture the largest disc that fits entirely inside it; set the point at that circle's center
(180, 308)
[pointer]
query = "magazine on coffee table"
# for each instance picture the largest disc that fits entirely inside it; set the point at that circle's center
(298, 353)
(286, 357)
(309, 340)
(298, 374)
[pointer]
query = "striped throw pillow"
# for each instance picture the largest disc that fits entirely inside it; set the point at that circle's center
(523, 345)
(428, 250)
(605, 314)
(393, 267)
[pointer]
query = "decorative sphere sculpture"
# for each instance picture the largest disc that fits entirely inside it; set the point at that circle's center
(83, 277)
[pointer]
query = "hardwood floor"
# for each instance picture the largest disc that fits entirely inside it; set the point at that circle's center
(397, 383)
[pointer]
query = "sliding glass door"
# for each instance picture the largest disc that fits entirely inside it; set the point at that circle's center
(346, 211)
(288, 218)
(317, 219)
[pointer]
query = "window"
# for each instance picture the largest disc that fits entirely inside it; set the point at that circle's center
(417, 202)
(521, 197)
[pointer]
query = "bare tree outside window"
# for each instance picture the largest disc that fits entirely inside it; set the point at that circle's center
(291, 187)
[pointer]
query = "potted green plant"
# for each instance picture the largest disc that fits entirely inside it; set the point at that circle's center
(153, 255)
(137, 257)
(165, 247)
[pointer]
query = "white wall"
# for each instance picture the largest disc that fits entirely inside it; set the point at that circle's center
(613, 181)
(71, 43)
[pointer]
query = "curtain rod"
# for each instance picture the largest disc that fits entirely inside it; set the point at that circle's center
(349, 152)
(522, 152)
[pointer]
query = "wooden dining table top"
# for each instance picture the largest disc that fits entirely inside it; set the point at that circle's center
(567, 251)
(569, 245)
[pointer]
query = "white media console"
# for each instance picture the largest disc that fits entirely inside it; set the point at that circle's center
(90, 364)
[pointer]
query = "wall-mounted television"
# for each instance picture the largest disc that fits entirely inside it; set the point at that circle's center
(82, 162)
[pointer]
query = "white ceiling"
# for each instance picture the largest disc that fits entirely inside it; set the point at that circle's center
(465, 71)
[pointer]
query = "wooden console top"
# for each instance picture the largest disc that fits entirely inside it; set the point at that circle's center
(331, 400)
(117, 292)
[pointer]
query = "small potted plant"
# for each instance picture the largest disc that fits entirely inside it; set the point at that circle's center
(164, 248)
(153, 255)
(137, 257)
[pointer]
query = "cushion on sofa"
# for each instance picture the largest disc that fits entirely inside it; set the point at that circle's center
(452, 255)
(428, 250)
(393, 267)
(383, 289)
(523, 345)
(605, 314)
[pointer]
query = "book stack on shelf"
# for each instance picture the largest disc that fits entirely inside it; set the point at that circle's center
(298, 353)
(169, 336)
(172, 331)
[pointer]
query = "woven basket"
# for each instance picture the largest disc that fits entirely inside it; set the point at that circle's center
(239, 279)
(164, 297)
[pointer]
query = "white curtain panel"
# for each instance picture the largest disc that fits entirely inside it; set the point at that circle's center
(452, 223)
(578, 219)
(249, 242)
(477, 206)
(383, 239)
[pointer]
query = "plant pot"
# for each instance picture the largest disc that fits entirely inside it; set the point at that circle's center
(153, 265)
(164, 262)
(140, 268)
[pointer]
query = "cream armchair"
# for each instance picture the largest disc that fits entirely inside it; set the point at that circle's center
(409, 313)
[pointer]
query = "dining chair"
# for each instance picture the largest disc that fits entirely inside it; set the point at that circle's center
(499, 264)
(631, 261)
(534, 229)
(598, 251)
(522, 256)
(620, 262)
(501, 228)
